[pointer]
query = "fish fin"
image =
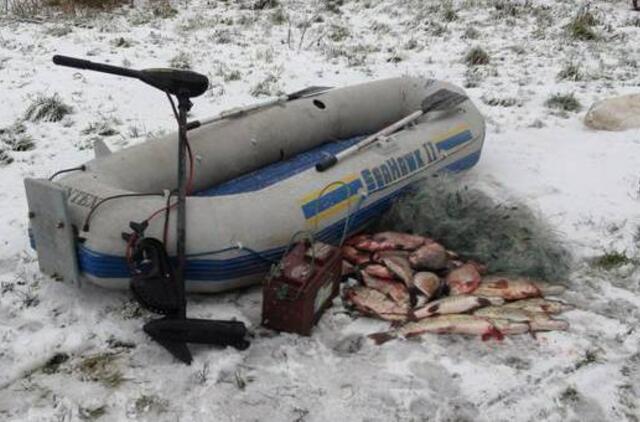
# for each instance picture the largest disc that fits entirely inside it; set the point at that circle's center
(380, 338)
(483, 301)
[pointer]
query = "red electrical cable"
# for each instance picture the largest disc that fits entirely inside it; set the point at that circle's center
(134, 236)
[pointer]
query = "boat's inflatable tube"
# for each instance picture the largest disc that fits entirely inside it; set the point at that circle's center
(256, 183)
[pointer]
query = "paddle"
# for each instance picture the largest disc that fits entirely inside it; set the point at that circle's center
(441, 100)
(237, 112)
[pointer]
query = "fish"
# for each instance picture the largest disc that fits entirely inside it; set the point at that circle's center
(548, 324)
(402, 269)
(379, 271)
(451, 305)
(481, 268)
(371, 302)
(404, 241)
(427, 283)
(453, 263)
(371, 245)
(393, 289)
(503, 312)
(446, 324)
(347, 268)
(534, 321)
(355, 239)
(508, 327)
(507, 288)
(464, 280)
(355, 256)
(432, 256)
(541, 305)
(378, 256)
(549, 289)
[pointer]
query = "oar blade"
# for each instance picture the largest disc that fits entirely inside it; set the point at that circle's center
(307, 92)
(443, 99)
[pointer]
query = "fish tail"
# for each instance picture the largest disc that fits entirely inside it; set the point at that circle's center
(380, 338)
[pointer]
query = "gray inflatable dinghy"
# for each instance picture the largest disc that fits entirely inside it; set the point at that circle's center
(254, 183)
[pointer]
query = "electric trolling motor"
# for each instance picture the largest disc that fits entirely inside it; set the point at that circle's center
(156, 283)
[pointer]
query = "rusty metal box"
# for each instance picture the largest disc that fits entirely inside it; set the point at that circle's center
(301, 288)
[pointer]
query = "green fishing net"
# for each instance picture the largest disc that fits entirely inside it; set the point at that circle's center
(508, 236)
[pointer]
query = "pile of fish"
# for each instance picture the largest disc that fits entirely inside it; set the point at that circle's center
(421, 287)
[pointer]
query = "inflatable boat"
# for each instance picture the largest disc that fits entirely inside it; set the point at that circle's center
(254, 183)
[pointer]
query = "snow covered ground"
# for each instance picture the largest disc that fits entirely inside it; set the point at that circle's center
(69, 354)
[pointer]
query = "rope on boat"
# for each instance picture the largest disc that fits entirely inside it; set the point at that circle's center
(59, 172)
(87, 220)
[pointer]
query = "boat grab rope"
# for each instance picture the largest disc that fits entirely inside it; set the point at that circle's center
(87, 220)
(59, 172)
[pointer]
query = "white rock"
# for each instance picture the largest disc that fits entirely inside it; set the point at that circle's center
(618, 113)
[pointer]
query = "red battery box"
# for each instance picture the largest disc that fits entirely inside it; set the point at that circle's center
(301, 288)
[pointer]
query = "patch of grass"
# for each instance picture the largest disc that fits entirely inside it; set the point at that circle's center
(92, 413)
(590, 356)
(448, 12)
(506, 8)
(121, 42)
(234, 75)
(59, 30)
(5, 158)
(333, 6)
(612, 259)
(90, 4)
(267, 87)
(471, 33)
(265, 4)
(16, 138)
(150, 403)
(163, 9)
(48, 109)
(570, 395)
(563, 102)
(182, 60)
(222, 36)
(102, 127)
(102, 368)
(581, 26)
(570, 72)
(51, 367)
(500, 102)
(338, 33)
(477, 57)
(411, 44)
(278, 17)
(24, 8)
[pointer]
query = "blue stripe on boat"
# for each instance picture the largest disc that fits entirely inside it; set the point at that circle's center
(455, 140)
(332, 198)
(281, 170)
(111, 266)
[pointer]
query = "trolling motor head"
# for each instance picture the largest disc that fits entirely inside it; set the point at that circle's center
(178, 82)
